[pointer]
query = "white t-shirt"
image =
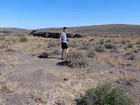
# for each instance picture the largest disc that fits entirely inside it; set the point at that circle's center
(63, 37)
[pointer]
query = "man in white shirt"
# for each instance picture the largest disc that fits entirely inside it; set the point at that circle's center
(64, 42)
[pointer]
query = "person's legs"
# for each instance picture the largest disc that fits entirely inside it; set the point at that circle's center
(66, 51)
(62, 53)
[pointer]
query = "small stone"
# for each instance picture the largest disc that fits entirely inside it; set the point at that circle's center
(118, 81)
(65, 79)
(110, 72)
(60, 102)
(128, 83)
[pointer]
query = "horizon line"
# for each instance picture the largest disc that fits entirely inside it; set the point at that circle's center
(66, 26)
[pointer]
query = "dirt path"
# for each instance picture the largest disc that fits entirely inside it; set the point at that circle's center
(33, 75)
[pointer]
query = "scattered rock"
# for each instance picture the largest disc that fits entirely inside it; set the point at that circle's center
(128, 64)
(118, 81)
(135, 51)
(80, 101)
(66, 79)
(43, 55)
(111, 72)
(60, 102)
(128, 83)
(124, 82)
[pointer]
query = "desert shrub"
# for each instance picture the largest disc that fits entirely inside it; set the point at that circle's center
(99, 48)
(130, 56)
(76, 59)
(138, 42)
(91, 52)
(130, 45)
(2, 46)
(110, 46)
(84, 45)
(73, 44)
(102, 41)
(125, 41)
(105, 95)
(23, 38)
(54, 51)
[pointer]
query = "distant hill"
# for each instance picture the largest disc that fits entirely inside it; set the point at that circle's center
(101, 30)
(13, 31)
(95, 30)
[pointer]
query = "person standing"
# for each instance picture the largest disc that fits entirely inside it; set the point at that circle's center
(64, 43)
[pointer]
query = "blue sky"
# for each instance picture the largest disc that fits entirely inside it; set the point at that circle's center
(32, 14)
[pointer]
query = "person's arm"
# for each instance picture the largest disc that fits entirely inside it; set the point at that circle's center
(60, 39)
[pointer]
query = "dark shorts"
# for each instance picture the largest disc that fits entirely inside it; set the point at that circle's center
(64, 45)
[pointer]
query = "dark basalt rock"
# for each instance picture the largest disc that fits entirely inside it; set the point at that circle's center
(43, 55)
(52, 35)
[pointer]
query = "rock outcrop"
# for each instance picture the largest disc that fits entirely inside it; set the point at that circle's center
(52, 35)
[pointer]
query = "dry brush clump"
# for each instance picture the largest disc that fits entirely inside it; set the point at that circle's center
(125, 41)
(74, 44)
(84, 46)
(9, 59)
(54, 51)
(130, 56)
(110, 46)
(76, 59)
(130, 76)
(40, 97)
(91, 52)
(99, 48)
(136, 65)
(23, 38)
(130, 45)
(102, 41)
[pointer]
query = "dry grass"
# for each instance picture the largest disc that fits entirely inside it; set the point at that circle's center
(10, 59)
(13, 60)
(113, 60)
(2, 101)
(136, 65)
(39, 96)
(130, 76)
(12, 86)
(52, 43)
(34, 44)
(121, 49)
(135, 40)
(2, 75)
